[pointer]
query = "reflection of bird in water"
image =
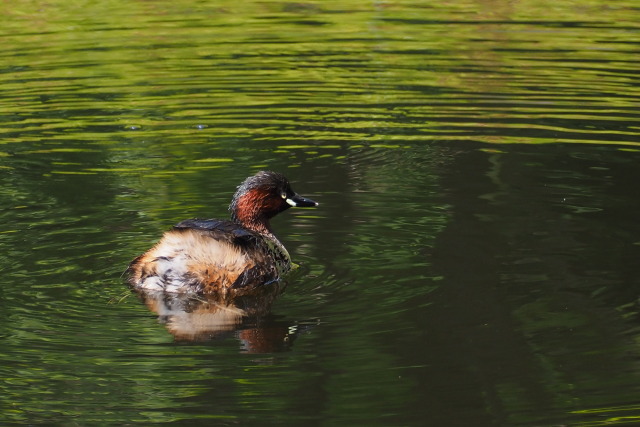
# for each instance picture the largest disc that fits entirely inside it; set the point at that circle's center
(223, 257)
(201, 318)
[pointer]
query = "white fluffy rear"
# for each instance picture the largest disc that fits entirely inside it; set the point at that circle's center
(182, 258)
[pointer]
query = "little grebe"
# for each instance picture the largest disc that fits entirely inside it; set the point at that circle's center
(218, 256)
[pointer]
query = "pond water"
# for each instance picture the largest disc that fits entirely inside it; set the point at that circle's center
(473, 260)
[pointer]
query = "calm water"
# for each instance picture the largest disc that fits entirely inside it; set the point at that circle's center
(474, 259)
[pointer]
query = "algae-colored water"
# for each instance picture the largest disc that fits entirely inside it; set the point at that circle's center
(473, 260)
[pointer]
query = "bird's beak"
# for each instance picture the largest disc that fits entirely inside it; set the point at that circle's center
(298, 201)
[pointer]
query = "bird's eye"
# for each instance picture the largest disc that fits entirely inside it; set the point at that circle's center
(283, 195)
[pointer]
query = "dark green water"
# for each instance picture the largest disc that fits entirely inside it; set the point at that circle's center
(474, 259)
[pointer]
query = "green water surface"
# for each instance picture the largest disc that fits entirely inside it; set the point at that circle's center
(473, 260)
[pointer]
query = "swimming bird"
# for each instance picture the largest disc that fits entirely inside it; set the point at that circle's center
(220, 256)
